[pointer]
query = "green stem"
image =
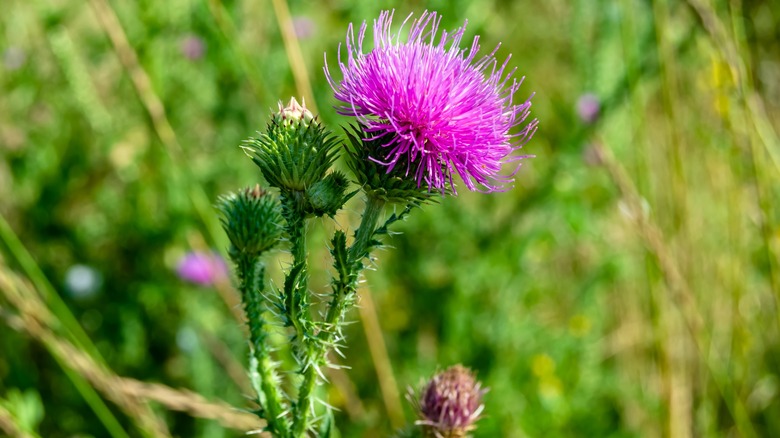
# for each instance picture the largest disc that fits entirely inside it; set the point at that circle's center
(365, 232)
(296, 296)
(302, 410)
(251, 273)
(344, 291)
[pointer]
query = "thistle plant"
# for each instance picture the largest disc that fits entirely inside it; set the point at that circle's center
(425, 112)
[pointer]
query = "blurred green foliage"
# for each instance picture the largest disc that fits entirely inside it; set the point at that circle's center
(552, 291)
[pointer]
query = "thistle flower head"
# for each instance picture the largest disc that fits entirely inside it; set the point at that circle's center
(252, 220)
(438, 109)
(451, 403)
(295, 151)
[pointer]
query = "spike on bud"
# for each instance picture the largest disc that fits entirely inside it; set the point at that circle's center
(252, 220)
(451, 403)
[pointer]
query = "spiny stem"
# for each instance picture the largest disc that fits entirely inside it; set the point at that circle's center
(251, 273)
(365, 232)
(302, 410)
(344, 290)
(296, 297)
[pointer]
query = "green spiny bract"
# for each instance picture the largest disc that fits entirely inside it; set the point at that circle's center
(396, 186)
(252, 220)
(296, 151)
(329, 195)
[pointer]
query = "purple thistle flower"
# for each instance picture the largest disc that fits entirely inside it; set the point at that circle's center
(438, 108)
(202, 268)
(451, 402)
(192, 47)
(588, 108)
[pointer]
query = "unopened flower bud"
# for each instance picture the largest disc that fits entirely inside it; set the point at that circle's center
(296, 151)
(451, 403)
(252, 220)
(328, 196)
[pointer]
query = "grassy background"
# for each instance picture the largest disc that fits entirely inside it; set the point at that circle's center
(628, 286)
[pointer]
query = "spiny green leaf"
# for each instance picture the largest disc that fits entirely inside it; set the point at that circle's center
(340, 254)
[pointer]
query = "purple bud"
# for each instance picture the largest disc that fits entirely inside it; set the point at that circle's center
(202, 268)
(451, 403)
(192, 47)
(588, 108)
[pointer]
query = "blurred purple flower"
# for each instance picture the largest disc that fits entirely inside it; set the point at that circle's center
(588, 108)
(451, 402)
(192, 47)
(304, 27)
(202, 268)
(14, 58)
(439, 110)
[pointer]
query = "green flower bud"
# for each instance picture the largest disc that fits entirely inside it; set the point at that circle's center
(329, 195)
(396, 186)
(252, 220)
(296, 151)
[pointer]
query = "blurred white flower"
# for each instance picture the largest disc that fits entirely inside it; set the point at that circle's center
(186, 339)
(83, 281)
(14, 58)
